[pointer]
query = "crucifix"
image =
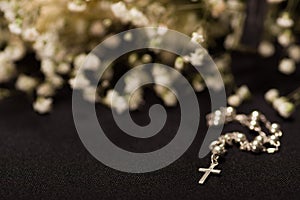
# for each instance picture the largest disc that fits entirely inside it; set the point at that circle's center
(208, 171)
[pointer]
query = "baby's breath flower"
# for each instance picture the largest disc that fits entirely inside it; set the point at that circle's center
(285, 38)
(234, 100)
(286, 109)
(169, 98)
(287, 66)
(26, 83)
(266, 49)
(77, 6)
(45, 90)
(42, 105)
(30, 34)
(179, 63)
(271, 95)
(285, 20)
(294, 52)
(243, 92)
(197, 38)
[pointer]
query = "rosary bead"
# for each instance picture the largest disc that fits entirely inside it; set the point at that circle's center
(218, 150)
(240, 137)
(278, 133)
(228, 139)
(256, 146)
(259, 139)
(274, 138)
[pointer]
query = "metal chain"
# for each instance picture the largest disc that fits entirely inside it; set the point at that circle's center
(255, 121)
(262, 143)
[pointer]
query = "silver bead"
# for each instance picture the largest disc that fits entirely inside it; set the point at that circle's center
(256, 146)
(218, 150)
(259, 139)
(255, 115)
(240, 137)
(274, 138)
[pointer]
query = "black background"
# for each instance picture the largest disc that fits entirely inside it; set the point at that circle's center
(42, 157)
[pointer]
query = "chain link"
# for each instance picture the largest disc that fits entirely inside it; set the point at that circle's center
(261, 143)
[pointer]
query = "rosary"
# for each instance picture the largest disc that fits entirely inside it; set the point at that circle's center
(262, 142)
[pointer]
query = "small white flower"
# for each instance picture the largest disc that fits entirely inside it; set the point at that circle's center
(92, 62)
(285, 20)
(97, 28)
(266, 49)
(286, 109)
(79, 60)
(45, 89)
(26, 83)
(294, 52)
(234, 100)
(80, 82)
(138, 18)
(77, 6)
(197, 57)
(15, 28)
(229, 41)
(56, 80)
(271, 95)
(120, 104)
(169, 98)
(120, 11)
(7, 69)
(285, 38)
(42, 105)
(278, 101)
(197, 38)
(287, 66)
(30, 34)
(179, 63)
(214, 83)
(89, 94)
(48, 67)
(63, 68)
(128, 37)
(243, 92)
(136, 99)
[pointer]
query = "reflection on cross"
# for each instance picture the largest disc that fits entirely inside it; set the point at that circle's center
(208, 171)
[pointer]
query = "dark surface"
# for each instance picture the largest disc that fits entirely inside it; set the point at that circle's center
(42, 157)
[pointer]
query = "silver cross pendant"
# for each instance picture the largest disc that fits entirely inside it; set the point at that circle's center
(208, 171)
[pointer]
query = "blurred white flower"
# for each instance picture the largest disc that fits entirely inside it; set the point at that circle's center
(77, 6)
(48, 67)
(234, 100)
(89, 94)
(286, 109)
(271, 95)
(294, 52)
(197, 57)
(7, 69)
(42, 105)
(243, 92)
(169, 98)
(30, 34)
(45, 89)
(197, 38)
(285, 20)
(266, 49)
(15, 28)
(287, 66)
(63, 68)
(80, 82)
(26, 83)
(285, 38)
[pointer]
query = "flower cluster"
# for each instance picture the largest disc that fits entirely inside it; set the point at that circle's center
(285, 106)
(60, 33)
